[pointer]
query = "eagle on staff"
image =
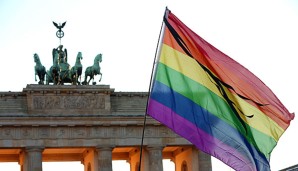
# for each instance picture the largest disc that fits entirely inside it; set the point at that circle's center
(59, 33)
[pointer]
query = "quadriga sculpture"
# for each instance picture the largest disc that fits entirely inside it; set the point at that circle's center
(40, 70)
(76, 70)
(93, 70)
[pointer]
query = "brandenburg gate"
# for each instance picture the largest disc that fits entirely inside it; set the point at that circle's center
(92, 124)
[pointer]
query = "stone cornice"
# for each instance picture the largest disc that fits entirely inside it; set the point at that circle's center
(67, 89)
(76, 121)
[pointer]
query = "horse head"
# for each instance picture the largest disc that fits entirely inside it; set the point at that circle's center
(98, 58)
(79, 57)
(36, 58)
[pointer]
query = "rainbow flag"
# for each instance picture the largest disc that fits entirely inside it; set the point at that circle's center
(214, 102)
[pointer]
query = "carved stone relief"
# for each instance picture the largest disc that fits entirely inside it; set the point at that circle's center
(68, 102)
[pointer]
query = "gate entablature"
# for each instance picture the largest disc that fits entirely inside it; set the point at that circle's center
(68, 99)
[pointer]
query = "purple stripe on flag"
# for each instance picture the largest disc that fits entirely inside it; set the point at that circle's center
(198, 137)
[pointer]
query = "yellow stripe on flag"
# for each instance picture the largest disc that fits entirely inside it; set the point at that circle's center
(190, 68)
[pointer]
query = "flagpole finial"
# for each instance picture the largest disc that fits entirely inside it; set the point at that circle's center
(167, 9)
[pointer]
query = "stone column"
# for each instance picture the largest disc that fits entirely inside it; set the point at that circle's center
(155, 158)
(33, 159)
(104, 158)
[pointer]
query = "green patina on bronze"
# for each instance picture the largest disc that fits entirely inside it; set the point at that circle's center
(93, 70)
(40, 70)
(76, 70)
(61, 72)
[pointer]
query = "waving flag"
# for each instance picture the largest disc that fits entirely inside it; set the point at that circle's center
(214, 102)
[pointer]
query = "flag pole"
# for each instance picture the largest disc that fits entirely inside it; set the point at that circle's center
(157, 52)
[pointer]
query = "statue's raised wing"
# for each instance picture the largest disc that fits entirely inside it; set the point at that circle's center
(63, 24)
(55, 24)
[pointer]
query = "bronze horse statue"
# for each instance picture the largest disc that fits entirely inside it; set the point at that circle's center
(93, 70)
(40, 70)
(76, 70)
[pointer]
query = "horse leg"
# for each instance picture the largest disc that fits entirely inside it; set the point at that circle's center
(76, 79)
(40, 82)
(47, 78)
(78, 82)
(42, 78)
(100, 77)
(91, 77)
(85, 80)
(79, 79)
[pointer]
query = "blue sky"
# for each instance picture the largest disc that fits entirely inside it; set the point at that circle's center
(261, 35)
